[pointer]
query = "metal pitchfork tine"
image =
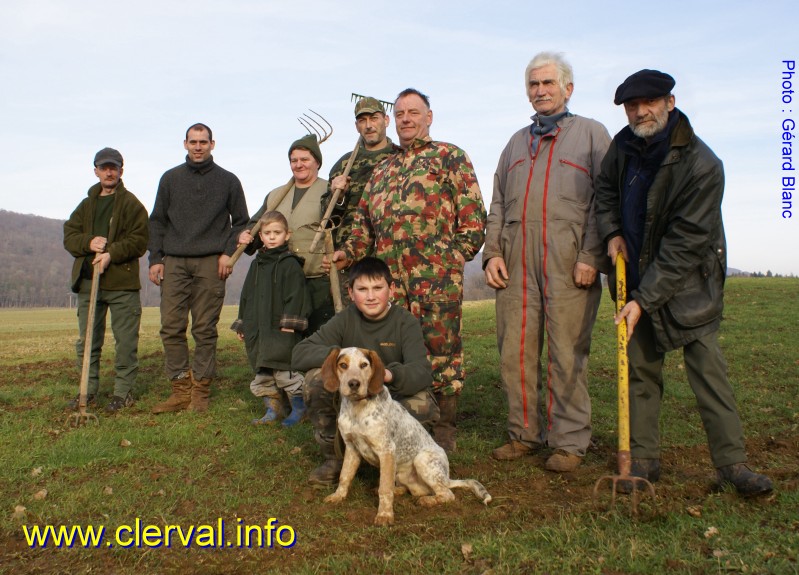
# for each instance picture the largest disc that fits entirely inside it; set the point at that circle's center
(388, 105)
(315, 127)
(637, 485)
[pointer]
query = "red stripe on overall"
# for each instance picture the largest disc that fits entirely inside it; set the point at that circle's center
(522, 374)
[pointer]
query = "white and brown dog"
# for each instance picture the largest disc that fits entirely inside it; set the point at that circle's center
(379, 430)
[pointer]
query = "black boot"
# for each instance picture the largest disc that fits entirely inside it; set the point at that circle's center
(745, 481)
(648, 469)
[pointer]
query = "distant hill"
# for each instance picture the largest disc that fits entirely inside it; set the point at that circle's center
(37, 268)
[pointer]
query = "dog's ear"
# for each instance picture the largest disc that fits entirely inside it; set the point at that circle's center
(378, 372)
(328, 373)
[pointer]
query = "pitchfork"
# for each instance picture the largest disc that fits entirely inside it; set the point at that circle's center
(82, 416)
(638, 484)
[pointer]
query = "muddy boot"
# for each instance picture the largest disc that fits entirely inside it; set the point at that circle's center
(745, 481)
(200, 394)
(648, 469)
(274, 411)
(328, 472)
(297, 411)
(444, 430)
(181, 395)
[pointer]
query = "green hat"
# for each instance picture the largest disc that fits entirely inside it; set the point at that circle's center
(308, 143)
(368, 106)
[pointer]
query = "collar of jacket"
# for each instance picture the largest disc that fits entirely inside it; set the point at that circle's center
(202, 167)
(387, 149)
(680, 135)
(94, 191)
(419, 143)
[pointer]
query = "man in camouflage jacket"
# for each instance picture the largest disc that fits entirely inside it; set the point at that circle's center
(371, 122)
(423, 214)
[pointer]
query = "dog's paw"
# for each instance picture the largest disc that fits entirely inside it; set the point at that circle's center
(400, 490)
(384, 518)
(334, 498)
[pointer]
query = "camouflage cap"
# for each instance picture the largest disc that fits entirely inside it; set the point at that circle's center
(368, 105)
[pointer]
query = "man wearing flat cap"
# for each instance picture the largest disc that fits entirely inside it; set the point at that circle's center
(108, 233)
(659, 206)
(301, 202)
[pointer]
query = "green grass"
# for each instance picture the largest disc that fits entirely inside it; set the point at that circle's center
(193, 469)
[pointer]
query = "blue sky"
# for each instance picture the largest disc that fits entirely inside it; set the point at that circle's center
(82, 75)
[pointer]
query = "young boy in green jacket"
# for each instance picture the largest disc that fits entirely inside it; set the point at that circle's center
(273, 313)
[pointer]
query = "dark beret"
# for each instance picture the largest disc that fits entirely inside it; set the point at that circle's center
(644, 84)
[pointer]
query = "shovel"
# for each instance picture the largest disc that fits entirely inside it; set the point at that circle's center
(82, 416)
(637, 485)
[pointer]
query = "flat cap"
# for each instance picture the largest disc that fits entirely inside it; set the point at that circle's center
(644, 84)
(368, 106)
(108, 156)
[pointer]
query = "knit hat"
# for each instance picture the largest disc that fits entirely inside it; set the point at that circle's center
(108, 156)
(309, 143)
(644, 84)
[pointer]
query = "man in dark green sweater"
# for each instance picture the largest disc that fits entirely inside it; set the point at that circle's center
(370, 322)
(199, 211)
(109, 228)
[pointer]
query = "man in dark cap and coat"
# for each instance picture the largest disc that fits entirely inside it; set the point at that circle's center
(659, 205)
(109, 228)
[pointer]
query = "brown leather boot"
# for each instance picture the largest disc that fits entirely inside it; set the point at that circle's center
(200, 394)
(444, 429)
(181, 395)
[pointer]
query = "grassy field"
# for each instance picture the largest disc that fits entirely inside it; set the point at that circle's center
(136, 470)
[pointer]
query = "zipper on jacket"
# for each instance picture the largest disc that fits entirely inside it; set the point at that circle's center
(573, 165)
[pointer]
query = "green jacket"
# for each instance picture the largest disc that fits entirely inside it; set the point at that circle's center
(127, 239)
(273, 297)
(397, 339)
(684, 255)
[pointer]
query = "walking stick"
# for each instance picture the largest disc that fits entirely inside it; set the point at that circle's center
(82, 416)
(637, 484)
(335, 285)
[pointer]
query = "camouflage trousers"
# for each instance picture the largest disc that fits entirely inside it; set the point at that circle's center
(274, 382)
(323, 408)
(441, 328)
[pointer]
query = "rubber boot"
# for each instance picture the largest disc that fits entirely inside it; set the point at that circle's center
(297, 411)
(200, 394)
(327, 473)
(444, 430)
(181, 395)
(274, 410)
